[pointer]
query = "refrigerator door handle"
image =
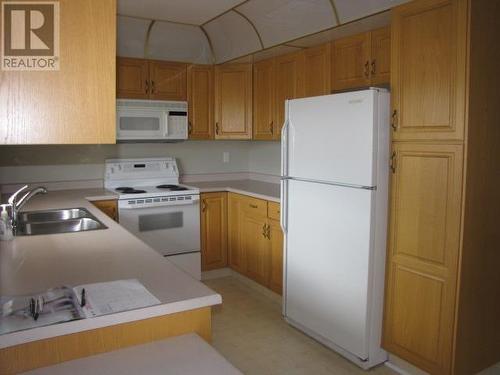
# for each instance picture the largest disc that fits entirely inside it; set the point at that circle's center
(284, 204)
(284, 143)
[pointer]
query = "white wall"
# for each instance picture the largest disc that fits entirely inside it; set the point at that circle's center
(30, 164)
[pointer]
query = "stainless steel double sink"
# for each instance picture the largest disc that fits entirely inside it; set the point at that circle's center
(68, 220)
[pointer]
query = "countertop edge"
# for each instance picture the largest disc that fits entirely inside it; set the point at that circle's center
(77, 326)
(239, 191)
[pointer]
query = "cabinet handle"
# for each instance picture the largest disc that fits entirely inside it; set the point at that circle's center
(394, 119)
(253, 206)
(271, 127)
(203, 205)
(367, 69)
(190, 127)
(152, 87)
(147, 86)
(268, 232)
(217, 128)
(374, 66)
(264, 231)
(393, 162)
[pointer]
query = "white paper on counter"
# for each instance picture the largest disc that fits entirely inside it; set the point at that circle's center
(114, 296)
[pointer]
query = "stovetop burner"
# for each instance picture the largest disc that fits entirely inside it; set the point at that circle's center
(172, 187)
(130, 190)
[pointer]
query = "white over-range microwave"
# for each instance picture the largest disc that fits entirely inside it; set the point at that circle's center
(151, 120)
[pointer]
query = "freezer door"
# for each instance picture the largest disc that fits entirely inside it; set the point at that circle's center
(328, 255)
(333, 138)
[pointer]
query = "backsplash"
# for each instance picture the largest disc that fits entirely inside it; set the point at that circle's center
(29, 164)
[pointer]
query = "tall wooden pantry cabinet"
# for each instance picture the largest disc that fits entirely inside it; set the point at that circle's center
(442, 304)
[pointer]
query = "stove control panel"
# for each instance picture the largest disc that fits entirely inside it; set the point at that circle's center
(158, 201)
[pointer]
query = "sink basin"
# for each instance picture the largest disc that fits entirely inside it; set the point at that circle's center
(53, 215)
(57, 221)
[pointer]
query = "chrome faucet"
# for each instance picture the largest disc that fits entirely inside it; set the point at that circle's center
(16, 203)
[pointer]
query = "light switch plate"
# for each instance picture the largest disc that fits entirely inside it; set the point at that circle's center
(225, 157)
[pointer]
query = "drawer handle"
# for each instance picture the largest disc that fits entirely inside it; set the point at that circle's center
(253, 206)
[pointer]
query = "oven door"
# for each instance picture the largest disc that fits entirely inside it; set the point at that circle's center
(140, 124)
(169, 229)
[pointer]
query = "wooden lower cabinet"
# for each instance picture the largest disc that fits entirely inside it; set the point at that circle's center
(213, 231)
(109, 207)
(256, 240)
(423, 253)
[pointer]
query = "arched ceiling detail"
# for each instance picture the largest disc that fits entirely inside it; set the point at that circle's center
(217, 31)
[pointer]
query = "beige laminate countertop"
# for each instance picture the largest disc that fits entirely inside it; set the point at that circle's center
(33, 264)
(253, 188)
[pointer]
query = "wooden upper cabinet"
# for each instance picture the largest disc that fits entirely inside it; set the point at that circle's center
(233, 101)
(380, 66)
(317, 70)
(168, 80)
(213, 231)
(428, 69)
(289, 83)
(201, 101)
(351, 62)
(75, 104)
(264, 124)
(147, 79)
(423, 253)
(132, 78)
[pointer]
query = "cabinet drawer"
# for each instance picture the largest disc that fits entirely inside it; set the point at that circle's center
(273, 211)
(254, 205)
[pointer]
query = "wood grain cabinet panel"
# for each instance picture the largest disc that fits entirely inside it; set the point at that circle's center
(236, 256)
(109, 207)
(264, 123)
(380, 65)
(233, 101)
(168, 80)
(423, 253)
(77, 103)
(200, 89)
(429, 70)
(132, 78)
(276, 254)
(255, 245)
(213, 231)
(351, 62)
(317, 70)
(289, 83)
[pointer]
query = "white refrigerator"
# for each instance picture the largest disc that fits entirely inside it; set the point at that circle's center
(334, 198)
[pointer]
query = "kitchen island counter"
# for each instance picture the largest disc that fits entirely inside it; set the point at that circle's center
(32, 264)
(254, 188)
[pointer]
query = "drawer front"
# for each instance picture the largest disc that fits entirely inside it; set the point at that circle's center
(273, 211)
(254, 205)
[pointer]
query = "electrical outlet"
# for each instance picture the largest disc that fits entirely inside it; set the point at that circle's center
(225, 157)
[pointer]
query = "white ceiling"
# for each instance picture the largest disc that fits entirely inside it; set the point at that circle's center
(208, 31)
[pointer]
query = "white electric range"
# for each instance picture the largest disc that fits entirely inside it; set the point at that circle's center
(156, 208)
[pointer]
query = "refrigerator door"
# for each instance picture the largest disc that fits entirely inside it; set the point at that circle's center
(333, 138)
(328, 255)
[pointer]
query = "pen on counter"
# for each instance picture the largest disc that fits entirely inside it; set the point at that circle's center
(82, 299)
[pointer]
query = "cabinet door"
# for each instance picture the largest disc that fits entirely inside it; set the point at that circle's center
(380, 69)
(351, 62)
(168, 80)
(423, 254)
(276, 254)
(317, 70)
(289, 84)
(233, 101)
(213, 231)
(255, 245)
(200, 100)
(264, 125)
(236, 257)
(132, 78)
(428, 69)
(109, 207)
